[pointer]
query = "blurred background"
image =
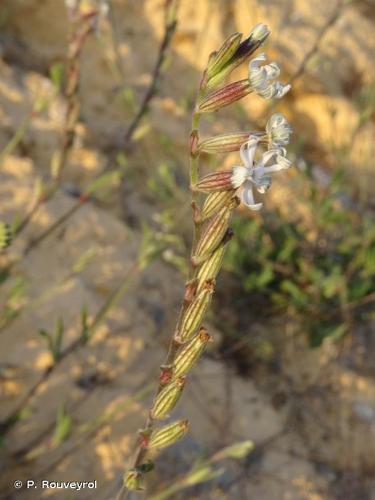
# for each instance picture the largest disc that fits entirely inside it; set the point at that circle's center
(91, 283)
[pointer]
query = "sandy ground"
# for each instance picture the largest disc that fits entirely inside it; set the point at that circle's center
(311, 417)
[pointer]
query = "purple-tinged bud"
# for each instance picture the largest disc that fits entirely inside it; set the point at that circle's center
(256, 38)
(224, 96)
(168, 435)
(223, 55)
(220, 180)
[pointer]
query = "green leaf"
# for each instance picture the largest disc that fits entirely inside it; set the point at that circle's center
(63, 426)
(85, 328)
(237, 450)
(56, 74)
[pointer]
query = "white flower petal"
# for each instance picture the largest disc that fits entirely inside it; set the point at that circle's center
(274, 168)
(239, 176)
(272, 70)
(247, 197)
(247, 151)
(260, 32)
(281, 90)
(254, 63)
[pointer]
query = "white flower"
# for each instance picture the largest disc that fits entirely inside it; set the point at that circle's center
(251, 173)
(261, 77)
(260, 32)
(278, 130)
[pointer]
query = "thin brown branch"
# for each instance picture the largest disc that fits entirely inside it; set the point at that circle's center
(169, 30)
(331, 21)
(82, 27)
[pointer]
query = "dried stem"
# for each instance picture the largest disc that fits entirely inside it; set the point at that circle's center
(170, 28)
(81, 29)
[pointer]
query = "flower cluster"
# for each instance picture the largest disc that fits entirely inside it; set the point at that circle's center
(262, 154)
(253, 173)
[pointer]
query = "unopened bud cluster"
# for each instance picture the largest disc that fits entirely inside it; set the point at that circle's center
(262, 154)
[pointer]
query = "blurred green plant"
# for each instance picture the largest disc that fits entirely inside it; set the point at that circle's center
(54, 341)
(321, 271)
(6, 235)
(166, 190)
(204, 470)
(63, 426)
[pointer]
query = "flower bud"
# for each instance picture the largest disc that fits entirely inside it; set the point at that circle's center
(168, 435)
(278, 131)
(224, 54)
(224, 96)
(256, 38)
(214, 232)
(215, 201)
(224, 143)
(194, 314)
(220, 180)
(211, 267)
(189, 353)
(167, 398)
(259, 33)
(133, 480)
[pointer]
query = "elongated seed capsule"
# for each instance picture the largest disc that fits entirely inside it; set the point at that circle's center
(211, 266)
(214, 202)
(189, 353)
(168, 435)
(213, 234)
(224, 143)
(221, 180)
(167, 398)
(194, 314)
(224, 54)
(225, 96)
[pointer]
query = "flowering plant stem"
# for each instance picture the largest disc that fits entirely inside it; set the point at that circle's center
(174, 345)
(211, 230)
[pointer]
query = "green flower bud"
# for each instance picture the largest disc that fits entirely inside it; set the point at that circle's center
(194, 314)
(167, 398)
(168, 435)
(215, 201)
(190, 352)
